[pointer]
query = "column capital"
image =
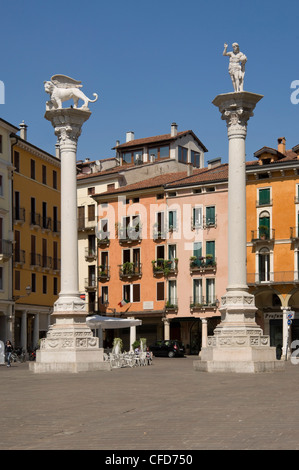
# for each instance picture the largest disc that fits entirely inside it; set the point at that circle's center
(67, 123)
(236, 109)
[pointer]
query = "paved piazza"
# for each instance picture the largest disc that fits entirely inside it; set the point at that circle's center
(166, 406)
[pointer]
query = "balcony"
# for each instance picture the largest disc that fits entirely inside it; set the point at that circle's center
(35, 260)
(129, 270)
(202, 303)
(171, 305)
(270, 278)
(35, 220)
(263, 235)
(210, 222)
(294, 233)
(5, 250)
(265, 203)
(19, 215)
(86, 225)
(159, 232)
(103, 238)
(19, 256)
(103, 272)
(129, 234)
(90, 283)
(56, 264)
(203, 264)
(90, 254)
(46, 262)
(56, 226)
(165, 267)
(46, 223)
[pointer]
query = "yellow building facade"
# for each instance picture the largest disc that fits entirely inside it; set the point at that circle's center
(36, 254)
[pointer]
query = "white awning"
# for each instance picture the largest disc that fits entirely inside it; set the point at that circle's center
(97, 321)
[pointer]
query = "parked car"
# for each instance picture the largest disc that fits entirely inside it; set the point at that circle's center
(170, 348)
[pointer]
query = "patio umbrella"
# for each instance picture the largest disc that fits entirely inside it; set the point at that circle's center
(97, 321)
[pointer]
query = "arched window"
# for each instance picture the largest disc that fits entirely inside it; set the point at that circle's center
(264, 225)
(264, 265)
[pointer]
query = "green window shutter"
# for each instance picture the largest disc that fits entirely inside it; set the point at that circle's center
(197, 249)
(210, 248)
(210, 215)
(264, 196)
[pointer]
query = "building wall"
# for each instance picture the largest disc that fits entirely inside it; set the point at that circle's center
(44, 267)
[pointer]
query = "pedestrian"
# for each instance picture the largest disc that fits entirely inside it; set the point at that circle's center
(149, 356)
(8, 351)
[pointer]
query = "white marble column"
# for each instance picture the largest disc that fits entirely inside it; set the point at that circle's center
(238, 343)
(285, 332)
(70, 345)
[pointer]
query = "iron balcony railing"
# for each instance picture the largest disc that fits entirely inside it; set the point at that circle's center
(85, 224)
(19, 214)
(56, 264)
(165, 266)
(90, 283)
(46, 262)
(35, 219)
(263, 234)
(203, 263)
(5, 248)
(294, 233)
(171, 303)
(130, 269)
(129, 233)
(202, 302)
(90, 253)
(278, 277)
(35, 259)
(19, 256)
(103, 272)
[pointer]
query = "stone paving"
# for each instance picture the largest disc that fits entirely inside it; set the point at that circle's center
(167, 406)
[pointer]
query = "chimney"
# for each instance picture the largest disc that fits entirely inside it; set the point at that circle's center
(174, 129)
(189, 169)
(57, 150)
(281, 147)
(23, 130)
(214, 162)
(117, 143)
(129, 136)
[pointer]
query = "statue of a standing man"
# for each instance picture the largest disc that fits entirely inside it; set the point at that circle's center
(236, 68)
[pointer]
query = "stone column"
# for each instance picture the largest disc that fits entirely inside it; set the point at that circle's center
(238, 344)
(166, 328)
(132, 335)
(285, 333)
(204, 332)
(70, 345)
(24, 330)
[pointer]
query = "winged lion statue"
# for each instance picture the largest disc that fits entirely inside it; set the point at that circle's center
(62, 88)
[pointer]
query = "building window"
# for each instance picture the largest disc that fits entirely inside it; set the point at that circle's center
(172, 299)
(264, 265)
(91, 191)
(210, 251)
(210, 215)
(17, 161)
(127, 293)
(45, 284)
(1, 185)
(1, 278)
(1, 143)
(264, 225)
(32, 169)
(54, 179)
(183, 154)
(195, 159)
(158, 153)
(172, 220)
(264, 197)
(160, 291)
(91, 212)
(110, 186)
(55, 286)
(197, 217)
(104, 297)
(44, 174)
(197, 291)
(33, 282)
(127, 157)
(17, 280)
(136, 292)
(210, 291)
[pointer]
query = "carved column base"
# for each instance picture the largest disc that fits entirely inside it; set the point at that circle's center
(238, 343)
(69, 346)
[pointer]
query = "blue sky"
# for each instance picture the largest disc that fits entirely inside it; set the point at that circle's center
(151, 63)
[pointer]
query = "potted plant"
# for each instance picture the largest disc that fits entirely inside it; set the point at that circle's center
(263, 232)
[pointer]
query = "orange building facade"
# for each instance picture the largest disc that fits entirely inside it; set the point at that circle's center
(273, 239)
